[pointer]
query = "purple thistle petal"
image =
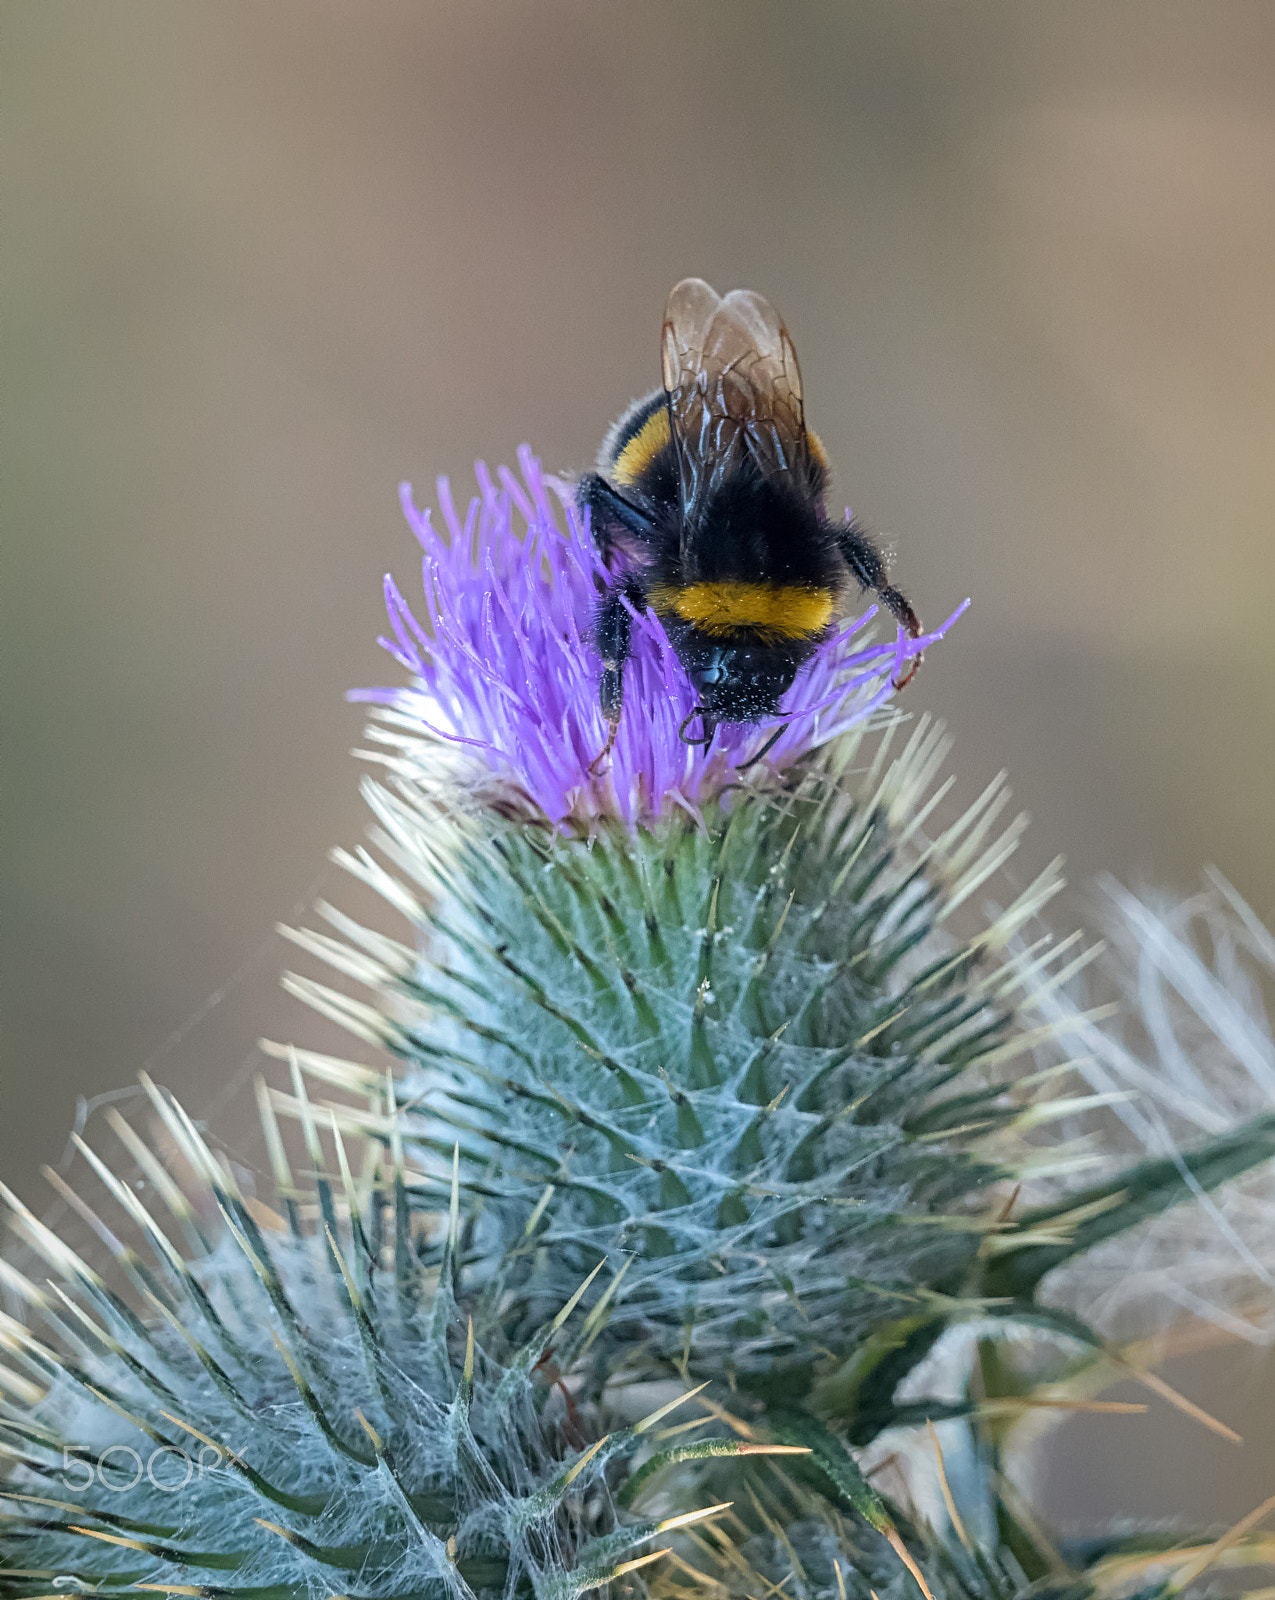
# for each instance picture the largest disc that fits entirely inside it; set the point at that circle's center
(417, 521)
(515, 492)
(505, 667)
(443, 489)
(411, 663)
(401, 619)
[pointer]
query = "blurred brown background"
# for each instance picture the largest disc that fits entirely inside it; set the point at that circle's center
(263, 261)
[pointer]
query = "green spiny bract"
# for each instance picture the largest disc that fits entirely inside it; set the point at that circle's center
(384, 1404)
(747, 1055)
(293, 1414)
(791, 1530)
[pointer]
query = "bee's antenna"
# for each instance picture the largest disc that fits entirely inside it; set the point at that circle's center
(769, 745)
(710, 726)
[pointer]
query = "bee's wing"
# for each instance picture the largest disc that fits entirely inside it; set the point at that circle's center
(734, 387)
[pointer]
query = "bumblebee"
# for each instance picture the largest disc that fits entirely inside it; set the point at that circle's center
(708, 508)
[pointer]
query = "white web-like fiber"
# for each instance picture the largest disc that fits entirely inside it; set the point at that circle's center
(1194, 1045)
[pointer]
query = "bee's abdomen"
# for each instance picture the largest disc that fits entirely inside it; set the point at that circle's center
(771, 611)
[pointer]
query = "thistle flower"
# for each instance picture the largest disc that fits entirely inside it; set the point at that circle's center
(506, 672)
(704, 1076)
(720, 1030)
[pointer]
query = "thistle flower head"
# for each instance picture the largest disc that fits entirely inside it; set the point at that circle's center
(506, 674)
(716, 1095)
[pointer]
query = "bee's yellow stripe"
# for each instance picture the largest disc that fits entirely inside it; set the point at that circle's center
(785, 611)
(652, 437)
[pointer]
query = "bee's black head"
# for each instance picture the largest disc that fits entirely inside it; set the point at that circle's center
(741, 683)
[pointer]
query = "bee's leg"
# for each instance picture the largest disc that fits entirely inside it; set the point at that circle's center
(742, 766)
(708, 723)
(865, 561)
(612, 634)
(611, 516)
